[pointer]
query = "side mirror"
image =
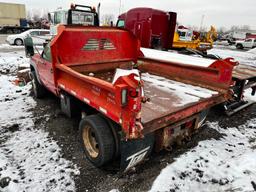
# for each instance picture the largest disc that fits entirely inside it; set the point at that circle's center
(44, 44)
(29, 48)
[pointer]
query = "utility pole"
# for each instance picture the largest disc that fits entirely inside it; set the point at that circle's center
(202, 21)
(120, 4)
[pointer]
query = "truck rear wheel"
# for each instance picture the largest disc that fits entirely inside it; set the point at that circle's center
(97, 140)
(38, 89)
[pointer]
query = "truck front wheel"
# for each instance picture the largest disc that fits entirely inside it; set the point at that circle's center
(38, 89)
(97, 140)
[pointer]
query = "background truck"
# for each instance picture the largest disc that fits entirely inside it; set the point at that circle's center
(76, 15)
(158, 29)
(12, 18)
(130, 104)
(247, 43)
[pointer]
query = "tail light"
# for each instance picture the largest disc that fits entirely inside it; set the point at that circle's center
(124, 97)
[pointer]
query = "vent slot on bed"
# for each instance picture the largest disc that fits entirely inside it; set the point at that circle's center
(98, 44)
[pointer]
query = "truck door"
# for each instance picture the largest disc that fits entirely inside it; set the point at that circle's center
(248, 43)
(45, 69)
(143, 32)
(138, 29)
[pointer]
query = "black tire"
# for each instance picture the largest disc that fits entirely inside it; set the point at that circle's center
(95, 128)
(38, 89)
(239, 46)
(18, 42)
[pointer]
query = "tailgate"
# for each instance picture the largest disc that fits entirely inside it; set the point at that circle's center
(171, 101)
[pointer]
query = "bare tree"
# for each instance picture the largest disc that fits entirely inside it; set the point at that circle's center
(245, 27)
(221, 30)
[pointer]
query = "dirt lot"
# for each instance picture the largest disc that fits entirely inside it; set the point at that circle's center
(64, 130)
(47, 116)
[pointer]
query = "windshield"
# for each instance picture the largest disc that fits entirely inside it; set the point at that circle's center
(120, 23)
(83, 18)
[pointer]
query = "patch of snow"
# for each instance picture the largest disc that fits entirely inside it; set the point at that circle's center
(248, 96)
(29, 156)
(124, 72)
(253, 51)
(114, 190)
(9, 62)
(246, 58)
(8, 46)
(227, 164)
(186, 93)
(176, 58)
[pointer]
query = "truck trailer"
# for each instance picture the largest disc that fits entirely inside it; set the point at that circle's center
(158, 30)
(12, 18)
(130, 104)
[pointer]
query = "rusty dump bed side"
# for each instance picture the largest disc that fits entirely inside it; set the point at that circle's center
(78, 52)
(177, 91)
(245, 73)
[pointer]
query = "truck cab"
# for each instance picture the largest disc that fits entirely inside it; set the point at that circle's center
(76, 15)
(185, 34)
(154, 28)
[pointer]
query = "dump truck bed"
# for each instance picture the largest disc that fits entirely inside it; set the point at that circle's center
(174, 91)
(169, 96)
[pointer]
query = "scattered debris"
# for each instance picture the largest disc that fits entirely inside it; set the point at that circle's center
(4, 182)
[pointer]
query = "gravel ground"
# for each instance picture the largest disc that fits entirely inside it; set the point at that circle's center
(47, 116)
(64, 131)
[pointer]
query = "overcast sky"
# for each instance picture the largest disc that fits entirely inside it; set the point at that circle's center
(218, 12)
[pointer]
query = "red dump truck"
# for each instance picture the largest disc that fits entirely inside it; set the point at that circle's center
(130, 104)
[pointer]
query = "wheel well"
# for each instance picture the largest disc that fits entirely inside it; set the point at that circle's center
(79, 107)
(32, 68)
(18, 39)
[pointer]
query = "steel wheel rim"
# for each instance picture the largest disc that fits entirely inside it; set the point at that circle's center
(18, 42)
(90, 141)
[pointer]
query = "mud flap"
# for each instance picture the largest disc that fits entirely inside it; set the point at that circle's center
(202, 118)
(68, 105)
(135, 151)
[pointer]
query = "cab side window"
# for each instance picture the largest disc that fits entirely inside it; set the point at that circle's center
(57, 18)
(120, 23)
(42, 33)
(47, 53)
